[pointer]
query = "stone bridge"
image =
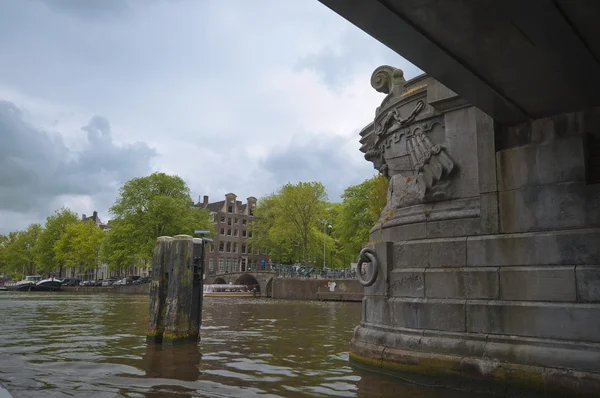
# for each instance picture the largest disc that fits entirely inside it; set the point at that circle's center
(264, 279)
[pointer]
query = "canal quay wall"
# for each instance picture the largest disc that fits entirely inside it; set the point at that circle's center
(282, 288)
(317, 289)
(143, 289)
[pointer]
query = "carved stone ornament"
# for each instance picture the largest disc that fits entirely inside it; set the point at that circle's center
(401, 149)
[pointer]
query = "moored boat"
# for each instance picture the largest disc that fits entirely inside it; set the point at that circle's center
(26, 285)
(49, 285)
(229, 291)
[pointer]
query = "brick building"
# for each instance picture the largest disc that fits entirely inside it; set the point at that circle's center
(230, 250)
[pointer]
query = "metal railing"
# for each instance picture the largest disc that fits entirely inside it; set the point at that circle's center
(294, 271)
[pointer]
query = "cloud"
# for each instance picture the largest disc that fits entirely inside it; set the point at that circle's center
(39, 173)
(230, 95)
(331, 161)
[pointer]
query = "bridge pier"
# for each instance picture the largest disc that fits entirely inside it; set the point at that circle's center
(488, 248)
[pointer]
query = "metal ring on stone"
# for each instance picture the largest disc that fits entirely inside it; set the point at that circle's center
(367, 255)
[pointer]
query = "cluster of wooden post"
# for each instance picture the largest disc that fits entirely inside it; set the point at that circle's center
(176, 290)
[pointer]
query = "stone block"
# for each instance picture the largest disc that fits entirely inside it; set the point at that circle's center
(461, 144)
(476, 283)
(431, 314)
(376, 310)
(588, 283)
(548, 163)
(441, 97)
(556, 206)
(538, 283)
(452, 228)
(444, 252)
(580, 322)
(486, 153)
(490, 223)
(399, 233)
(568, 247)
(407, 282)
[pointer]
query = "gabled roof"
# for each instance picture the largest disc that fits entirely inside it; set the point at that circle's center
(216, 206)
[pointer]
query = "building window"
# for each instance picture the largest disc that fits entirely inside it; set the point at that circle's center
(229, 232)
(229, 222)
(222, 231)
(249, 234)
(221, 246)
(235, 247)
(237, 220)
(235, 232)
(244, 233)
(222, 218)
(244, 222)
(221, 266)
(230, 209)
(211, 265)
(252, 210)
(228, 247)
(212, 248)
(243, 248)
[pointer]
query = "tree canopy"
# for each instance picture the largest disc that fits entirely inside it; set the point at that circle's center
(146, 208)
(17, 251)
(55, 227)
(79, 246)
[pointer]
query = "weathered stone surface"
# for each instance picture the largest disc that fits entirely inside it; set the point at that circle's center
(441, 97)
(490, 222)
(577, 322)
(428, 314)
(538, 283)
(555, 206)
(486, 153)
(400, 232)
(407, 282)
(377, 310)
(567, 247)
(452, 228)
(588, 283)
(444, 252)
(476, 283)
(548, 163)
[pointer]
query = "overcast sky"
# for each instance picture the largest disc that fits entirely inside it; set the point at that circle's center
(232, 95)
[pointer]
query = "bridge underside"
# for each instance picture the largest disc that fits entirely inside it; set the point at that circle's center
(513, 59)
(489, 261)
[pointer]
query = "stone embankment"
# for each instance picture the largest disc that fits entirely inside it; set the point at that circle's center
(282, 288)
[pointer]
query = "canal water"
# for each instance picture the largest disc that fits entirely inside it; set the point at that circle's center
(68, 345)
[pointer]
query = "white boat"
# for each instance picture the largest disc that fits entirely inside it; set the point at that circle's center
(226, 290)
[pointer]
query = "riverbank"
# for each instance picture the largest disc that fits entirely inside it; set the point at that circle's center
(281, 288)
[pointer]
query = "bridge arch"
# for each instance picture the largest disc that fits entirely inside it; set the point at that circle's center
(219, 281)
(247, 279)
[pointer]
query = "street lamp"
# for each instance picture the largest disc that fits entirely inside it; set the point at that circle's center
(324, 236)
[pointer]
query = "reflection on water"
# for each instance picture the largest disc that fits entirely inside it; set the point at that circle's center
(61, 345)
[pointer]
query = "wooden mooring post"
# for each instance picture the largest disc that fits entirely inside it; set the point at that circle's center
(176, 290)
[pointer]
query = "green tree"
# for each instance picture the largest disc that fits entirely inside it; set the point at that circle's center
(146, 208)
(55, 227)
(79, 246)
(360, 210)
(19, 251)
(290, 219)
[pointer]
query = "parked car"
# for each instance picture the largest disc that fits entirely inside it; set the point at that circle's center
(145, 279)
(71, 282)
(108, 282)
(121, 282)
